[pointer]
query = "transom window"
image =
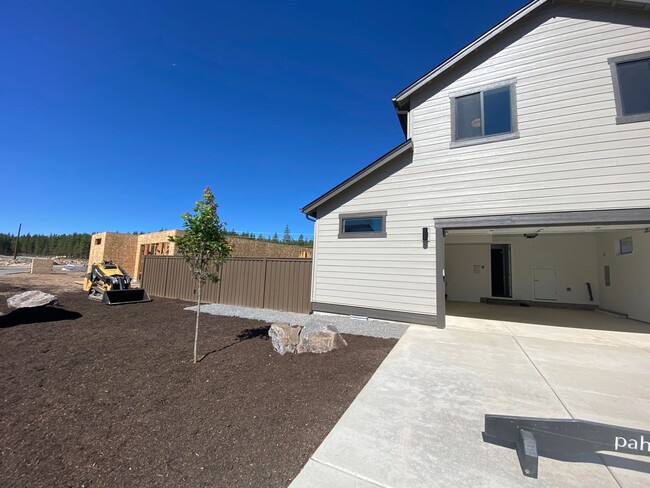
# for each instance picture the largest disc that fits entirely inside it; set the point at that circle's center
(370, 224)
(631, 76)
(485, 115)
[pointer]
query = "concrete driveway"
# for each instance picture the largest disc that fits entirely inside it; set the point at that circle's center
(418, 421)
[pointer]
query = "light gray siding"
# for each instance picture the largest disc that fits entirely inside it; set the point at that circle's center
(570, 156)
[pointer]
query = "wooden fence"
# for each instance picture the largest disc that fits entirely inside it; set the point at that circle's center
(274, 283)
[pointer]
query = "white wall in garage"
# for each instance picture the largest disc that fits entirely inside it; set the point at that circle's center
(463, 282)
(573, 254)
(629, 291)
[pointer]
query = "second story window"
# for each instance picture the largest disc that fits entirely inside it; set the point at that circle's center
(484, 115)
(631, 76)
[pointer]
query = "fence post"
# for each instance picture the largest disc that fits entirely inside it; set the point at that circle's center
(265, 264)
(166, 275)
(220, 282)
(143, 274)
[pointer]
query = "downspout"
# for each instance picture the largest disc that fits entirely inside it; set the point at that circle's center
(313, 272)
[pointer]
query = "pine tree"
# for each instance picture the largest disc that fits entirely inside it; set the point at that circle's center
(286, 238)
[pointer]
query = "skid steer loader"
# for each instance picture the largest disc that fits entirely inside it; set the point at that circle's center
(109, 283)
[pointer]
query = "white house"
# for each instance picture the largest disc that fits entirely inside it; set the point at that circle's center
(524, 176)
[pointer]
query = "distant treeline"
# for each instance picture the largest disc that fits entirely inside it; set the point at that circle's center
(286, 238)
(78, 245)
(70, 245)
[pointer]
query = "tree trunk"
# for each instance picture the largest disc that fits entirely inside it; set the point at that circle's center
(196, 331)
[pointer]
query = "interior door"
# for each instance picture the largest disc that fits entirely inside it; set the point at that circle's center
(500, 270)
(544, 284)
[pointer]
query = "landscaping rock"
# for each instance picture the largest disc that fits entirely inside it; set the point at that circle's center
(30, 299)
(285, 337)
(319, 338)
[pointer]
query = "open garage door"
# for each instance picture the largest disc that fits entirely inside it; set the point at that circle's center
(599, 265)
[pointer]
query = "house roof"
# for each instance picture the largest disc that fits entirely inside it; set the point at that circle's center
(310, 208)
(401, 100)
(403, 96)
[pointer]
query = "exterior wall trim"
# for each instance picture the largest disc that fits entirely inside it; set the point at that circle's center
(375, 313)
(587, 217)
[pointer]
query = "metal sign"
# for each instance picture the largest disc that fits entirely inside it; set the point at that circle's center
(534, 436)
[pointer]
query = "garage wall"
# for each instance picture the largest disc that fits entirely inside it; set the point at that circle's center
(467, 272)
(573, 254)
(629, 291)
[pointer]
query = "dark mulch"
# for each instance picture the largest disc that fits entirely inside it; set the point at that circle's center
(94, 395)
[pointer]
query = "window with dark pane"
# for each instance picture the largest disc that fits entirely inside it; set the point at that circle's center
(485, 113)
(634, 86)
(468, 116)
(497, 110)
(371, 224)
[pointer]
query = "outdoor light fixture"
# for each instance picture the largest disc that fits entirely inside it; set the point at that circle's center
(531, 236)
(425, 234)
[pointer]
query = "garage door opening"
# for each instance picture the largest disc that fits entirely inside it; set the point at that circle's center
(601, 266)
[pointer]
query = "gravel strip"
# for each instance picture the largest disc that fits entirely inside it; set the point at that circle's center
(344, 324)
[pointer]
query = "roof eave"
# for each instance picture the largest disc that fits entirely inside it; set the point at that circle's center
(311, 208)
(403, 95)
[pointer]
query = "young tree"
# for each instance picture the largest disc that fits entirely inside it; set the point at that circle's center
(203, 246)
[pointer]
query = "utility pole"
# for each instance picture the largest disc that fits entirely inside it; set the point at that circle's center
(17, 239)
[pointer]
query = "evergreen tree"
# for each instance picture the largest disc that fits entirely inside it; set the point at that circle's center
(286, 238)
(301, 240)
(275, 237)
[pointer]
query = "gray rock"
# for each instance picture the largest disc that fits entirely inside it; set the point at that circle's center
(318, 338)
(30, 299)
(285, 337)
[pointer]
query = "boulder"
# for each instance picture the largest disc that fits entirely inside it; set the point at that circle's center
(320, 338)
(30, 299)
(284, 337)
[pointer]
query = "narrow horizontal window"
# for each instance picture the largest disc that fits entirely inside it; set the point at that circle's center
(631, 76)
(484, 114)
(363, 225)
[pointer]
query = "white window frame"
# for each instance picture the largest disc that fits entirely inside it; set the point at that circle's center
(513, 134)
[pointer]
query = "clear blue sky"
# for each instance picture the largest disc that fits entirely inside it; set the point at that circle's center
(115, 115)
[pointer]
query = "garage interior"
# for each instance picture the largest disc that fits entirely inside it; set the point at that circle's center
(598, 266)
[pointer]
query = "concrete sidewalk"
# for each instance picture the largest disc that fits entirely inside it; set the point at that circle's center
(418, 421)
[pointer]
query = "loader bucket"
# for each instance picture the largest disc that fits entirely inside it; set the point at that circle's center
(122, 297)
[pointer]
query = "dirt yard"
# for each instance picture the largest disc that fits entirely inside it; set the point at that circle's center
(94, 395)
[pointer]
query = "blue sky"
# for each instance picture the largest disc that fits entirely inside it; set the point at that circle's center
(115, 115)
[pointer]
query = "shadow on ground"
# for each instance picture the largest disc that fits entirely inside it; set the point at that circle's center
(36, 315)
(246, 334)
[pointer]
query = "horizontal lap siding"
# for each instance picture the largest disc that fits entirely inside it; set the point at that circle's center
(570, 156)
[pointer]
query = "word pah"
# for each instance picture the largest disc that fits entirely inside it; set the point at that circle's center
(633, 444)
